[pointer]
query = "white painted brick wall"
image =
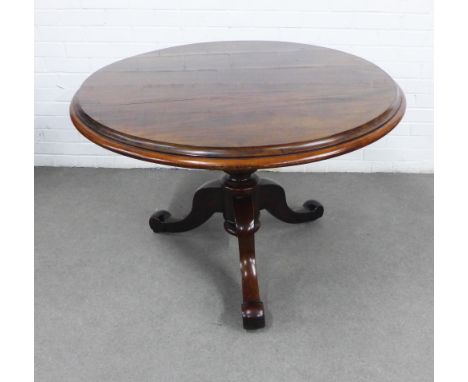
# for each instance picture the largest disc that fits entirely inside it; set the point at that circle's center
(76, 37)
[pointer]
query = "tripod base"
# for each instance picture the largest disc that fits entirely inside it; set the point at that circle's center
(240, 197)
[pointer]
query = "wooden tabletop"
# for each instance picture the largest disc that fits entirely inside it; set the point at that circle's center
(237, 105)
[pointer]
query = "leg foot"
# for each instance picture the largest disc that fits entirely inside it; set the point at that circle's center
(314, 207)
(158, 220)
(253, 316)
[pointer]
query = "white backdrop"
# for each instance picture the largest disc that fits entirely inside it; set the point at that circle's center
(76, 37)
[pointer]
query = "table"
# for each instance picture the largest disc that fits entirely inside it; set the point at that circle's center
(238, 106)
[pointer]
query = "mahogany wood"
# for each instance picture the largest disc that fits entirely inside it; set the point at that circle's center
(240, 197)
(208, 199)
(238, 106)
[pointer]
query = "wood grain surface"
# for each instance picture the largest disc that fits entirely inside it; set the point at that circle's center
(237, 105)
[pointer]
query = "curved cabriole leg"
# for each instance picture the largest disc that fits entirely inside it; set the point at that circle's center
(207, 200)
(272, 197)
(253, 315)
(242, 221)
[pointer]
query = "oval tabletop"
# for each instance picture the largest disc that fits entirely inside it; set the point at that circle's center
(237, 105)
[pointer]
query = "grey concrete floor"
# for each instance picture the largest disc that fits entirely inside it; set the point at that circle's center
(349, 297)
